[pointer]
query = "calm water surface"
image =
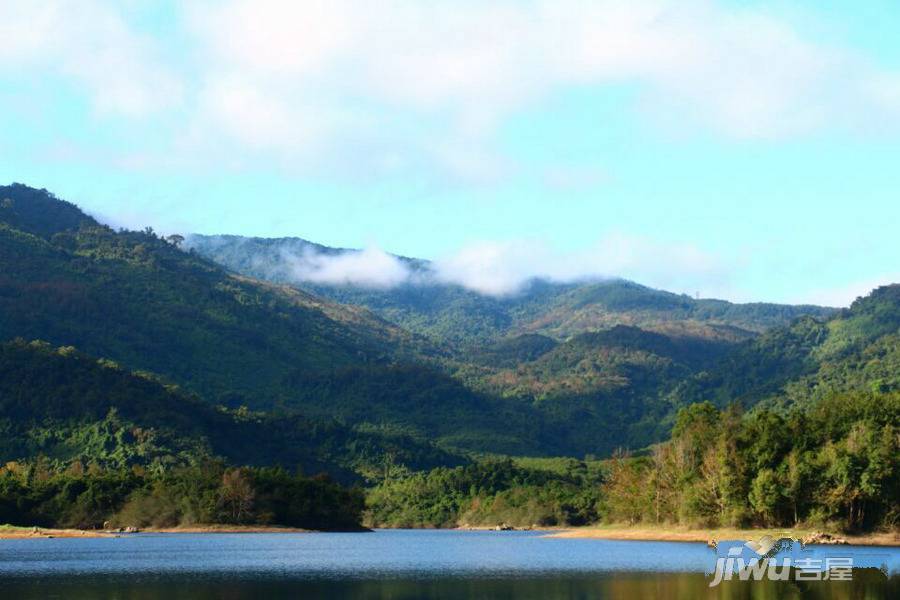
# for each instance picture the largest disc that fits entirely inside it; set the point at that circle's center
(399, 564)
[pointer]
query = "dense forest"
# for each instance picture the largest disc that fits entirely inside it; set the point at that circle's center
(448, 312)
(70, 407)
(857, 349)
(145, 303)
(144, 384)
(835, 464)
(520, 493)
(94, 497)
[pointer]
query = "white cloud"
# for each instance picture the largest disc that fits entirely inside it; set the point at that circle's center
(884, 88)
(354, 86)
(493, 268)
(371, 268)
(498, 268)
(91, 44)
(739, 71)
(503, 268)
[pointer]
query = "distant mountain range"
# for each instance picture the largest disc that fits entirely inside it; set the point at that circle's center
(609, 353)
(216, 346)
(448, 312)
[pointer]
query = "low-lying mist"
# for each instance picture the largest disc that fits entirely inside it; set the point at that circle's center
(488, 267)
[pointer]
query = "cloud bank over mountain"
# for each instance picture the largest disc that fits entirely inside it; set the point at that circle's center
(501, 268)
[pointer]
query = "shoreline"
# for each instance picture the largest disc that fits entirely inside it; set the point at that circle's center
(13, 532)
(602, 532)
(676, 534)
(226, 529)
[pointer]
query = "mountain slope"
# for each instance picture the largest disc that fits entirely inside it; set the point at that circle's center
(450, 313)
(150, 306)
(856, 350)
(614, 382)
(558, 369)
(139, 300)
(67, 406)
(599, 361)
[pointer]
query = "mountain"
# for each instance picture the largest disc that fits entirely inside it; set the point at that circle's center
(450, 313)
(150, 306)
(67, 406)
(142, 382)
(588, 357)
(558, 369)
(140, 300)
(858, 349)
(618, 380)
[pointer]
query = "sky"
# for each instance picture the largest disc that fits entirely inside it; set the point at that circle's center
(748, 150)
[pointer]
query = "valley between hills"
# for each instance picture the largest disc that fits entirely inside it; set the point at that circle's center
(164, 382)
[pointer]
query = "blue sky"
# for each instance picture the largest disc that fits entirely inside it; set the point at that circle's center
(746, 150)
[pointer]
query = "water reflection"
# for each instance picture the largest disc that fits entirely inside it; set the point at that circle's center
(401, 564)
(867, 583)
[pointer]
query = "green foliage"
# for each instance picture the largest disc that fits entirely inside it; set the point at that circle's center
(39, 211)
(594, 363)
(149, 307)
(202, 366)
(207, 493)
(140, 301)
(611, 387)
(67, 406)
(511, 352)
(857, 350)
(487, 494)
(836, 461)
(456, 316)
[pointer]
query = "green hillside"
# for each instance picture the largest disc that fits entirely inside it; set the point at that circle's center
(856, 350)
(150, 306)
(69, 407)
(831, 464)
(560, 369)
(616, 379)
(450, 313)
(138, 299)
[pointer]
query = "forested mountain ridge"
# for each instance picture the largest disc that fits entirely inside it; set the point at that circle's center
(150, 305)
(87, 444)
(140, 300)
(70, 407)
(592, 355)
(162, 368)
(856, 350)
(448, 312)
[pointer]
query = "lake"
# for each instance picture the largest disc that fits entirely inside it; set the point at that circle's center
(401, 564)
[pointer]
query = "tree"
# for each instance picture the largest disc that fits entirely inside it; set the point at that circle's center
(236, 494)
(797, 481)
(626, 490)
(696, 428)
(175, 239)
(765, 495)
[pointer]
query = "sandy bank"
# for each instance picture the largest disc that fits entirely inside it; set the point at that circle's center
(226, 529)
(673, 534)
(9, 532)
(14, 532)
